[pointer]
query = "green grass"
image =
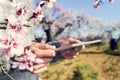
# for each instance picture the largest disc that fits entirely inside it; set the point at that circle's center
(93, 63)
(84, 72)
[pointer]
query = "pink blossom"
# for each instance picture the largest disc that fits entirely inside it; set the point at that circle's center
(25, 61)
(111, 1)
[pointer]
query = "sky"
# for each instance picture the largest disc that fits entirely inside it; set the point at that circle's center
(108, 12)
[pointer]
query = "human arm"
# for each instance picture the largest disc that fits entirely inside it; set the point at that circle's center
(45, 51)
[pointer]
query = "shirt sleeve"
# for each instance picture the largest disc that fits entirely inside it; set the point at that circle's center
(58, 53)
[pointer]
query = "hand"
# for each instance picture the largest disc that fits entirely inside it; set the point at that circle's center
(71, 53)
(41, 65)
(43, 50)
(44, 53)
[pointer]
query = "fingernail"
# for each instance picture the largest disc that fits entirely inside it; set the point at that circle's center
(83, 47)
(53, 54)
(38, 60)
(74, 56)
(54, 47)
(77, 53)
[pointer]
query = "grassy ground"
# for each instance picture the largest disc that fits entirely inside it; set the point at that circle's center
(90, 64)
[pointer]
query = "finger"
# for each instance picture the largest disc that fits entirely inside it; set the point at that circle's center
(40, 70)
(83, 47)
(45, 46)
(72, 40)
(39, 66)
(69, 53)
(42, 60)
(64, 43)
(47, 60)
(42, 46)
(39, 60)
(43, 53)
(34, 45)
(66, 54)
(78, 48)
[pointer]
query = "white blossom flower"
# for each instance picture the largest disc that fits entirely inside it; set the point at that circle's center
(50, 5)
(16, 49)
(12, 19)
(25, 61)
(15, 64)
(40, 17)
(52, 0)
(30, 56)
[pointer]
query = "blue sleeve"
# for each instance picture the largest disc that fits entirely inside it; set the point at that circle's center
(19, 75)
(58, 53)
